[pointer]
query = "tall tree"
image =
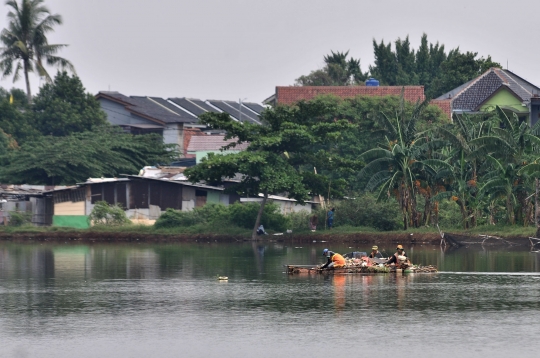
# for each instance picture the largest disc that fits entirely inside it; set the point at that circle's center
(338, 71)
(105, 151)
(63, 107)
(26, 47)
(272, 162)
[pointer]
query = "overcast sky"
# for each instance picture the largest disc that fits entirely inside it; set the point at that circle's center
(231, 49)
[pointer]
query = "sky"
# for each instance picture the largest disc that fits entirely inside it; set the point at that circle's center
(243, 49)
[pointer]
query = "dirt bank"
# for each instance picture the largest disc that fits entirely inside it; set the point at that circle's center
(92, 236)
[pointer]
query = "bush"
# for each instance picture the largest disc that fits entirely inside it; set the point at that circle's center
(210, 213)
(109, 215)
(19, 218)
(449, 215)
(244, 215)
(366, 211)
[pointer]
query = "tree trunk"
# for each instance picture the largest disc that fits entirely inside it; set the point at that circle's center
(27, 80)
(537, 208)
(259, 215)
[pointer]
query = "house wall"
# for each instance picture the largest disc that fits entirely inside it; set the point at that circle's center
(69, 208)
(535, 114)
(118, 115)
(173, 133)
(204, 153)
(503, 98)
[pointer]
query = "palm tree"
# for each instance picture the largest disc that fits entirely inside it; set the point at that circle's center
(25, 42)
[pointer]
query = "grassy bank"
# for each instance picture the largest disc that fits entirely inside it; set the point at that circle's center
(233, 233)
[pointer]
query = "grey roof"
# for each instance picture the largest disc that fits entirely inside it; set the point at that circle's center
(233, 111)
(148, 108)
(195, 106)
(471, 95)
(254, 107)
(180, 182)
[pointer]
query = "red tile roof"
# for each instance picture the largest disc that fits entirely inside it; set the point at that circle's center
(445, 105)
(290, 95)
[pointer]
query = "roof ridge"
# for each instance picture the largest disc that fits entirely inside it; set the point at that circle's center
(159, 104)
(473, 82)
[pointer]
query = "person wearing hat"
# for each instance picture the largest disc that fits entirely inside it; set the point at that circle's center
(375, 254)
(397, 258)
(334, 260)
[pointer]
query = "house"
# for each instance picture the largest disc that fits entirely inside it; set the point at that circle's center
(30, 200)
(495, 87)
(287, 95)
(175, 119)
(286, 205)
(144, 198)
(201, 146)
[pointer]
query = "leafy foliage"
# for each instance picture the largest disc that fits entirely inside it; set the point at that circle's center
(367, 211)
(276, 152)
(106, 151)
(26, 47)
(108, 215)
(429, 66)
(62, 107)
(338, 71)
(240, 215)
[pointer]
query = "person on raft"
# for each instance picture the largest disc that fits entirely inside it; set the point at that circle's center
(375, 254)
(399, 259)
(334, 260)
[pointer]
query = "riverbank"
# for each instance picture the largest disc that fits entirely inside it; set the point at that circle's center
(134, 234)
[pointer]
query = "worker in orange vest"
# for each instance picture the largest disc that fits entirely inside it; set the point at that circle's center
(334, 260)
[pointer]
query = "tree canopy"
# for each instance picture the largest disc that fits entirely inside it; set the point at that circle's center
(62, 107)
(26, 47)
(273, 161)
(429, 66)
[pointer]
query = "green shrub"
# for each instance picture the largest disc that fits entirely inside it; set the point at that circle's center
(109, 215)
(19, 218)
(449, 215)
(366, 211)
(244, 215)
(210, 213)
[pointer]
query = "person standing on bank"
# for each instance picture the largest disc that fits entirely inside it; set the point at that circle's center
(334, 260)
(330, 218)
(313, 221)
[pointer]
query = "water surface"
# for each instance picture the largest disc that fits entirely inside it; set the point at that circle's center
(165, 301)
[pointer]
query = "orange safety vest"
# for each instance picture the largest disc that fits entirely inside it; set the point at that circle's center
(338, 260)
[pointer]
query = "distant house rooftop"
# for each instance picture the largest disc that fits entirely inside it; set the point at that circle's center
(292, 94)
(496, 86)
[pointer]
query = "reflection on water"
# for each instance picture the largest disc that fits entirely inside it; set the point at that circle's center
(166, 301)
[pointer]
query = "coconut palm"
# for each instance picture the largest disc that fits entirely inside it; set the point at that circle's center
(25, 45)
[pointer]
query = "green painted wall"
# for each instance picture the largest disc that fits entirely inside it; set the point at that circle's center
(202, 154)
(504, 98)
(75, 221)
(212, 197)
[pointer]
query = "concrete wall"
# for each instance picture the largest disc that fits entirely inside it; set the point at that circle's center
(173, 133)
(204, 153)
(188, 198)
(70, 208)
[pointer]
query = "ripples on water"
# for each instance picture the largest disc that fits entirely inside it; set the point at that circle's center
(166, 301)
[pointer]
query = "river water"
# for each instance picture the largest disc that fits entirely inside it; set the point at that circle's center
(66, 300)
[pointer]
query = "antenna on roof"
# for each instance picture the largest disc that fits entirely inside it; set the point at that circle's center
(507, 64)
